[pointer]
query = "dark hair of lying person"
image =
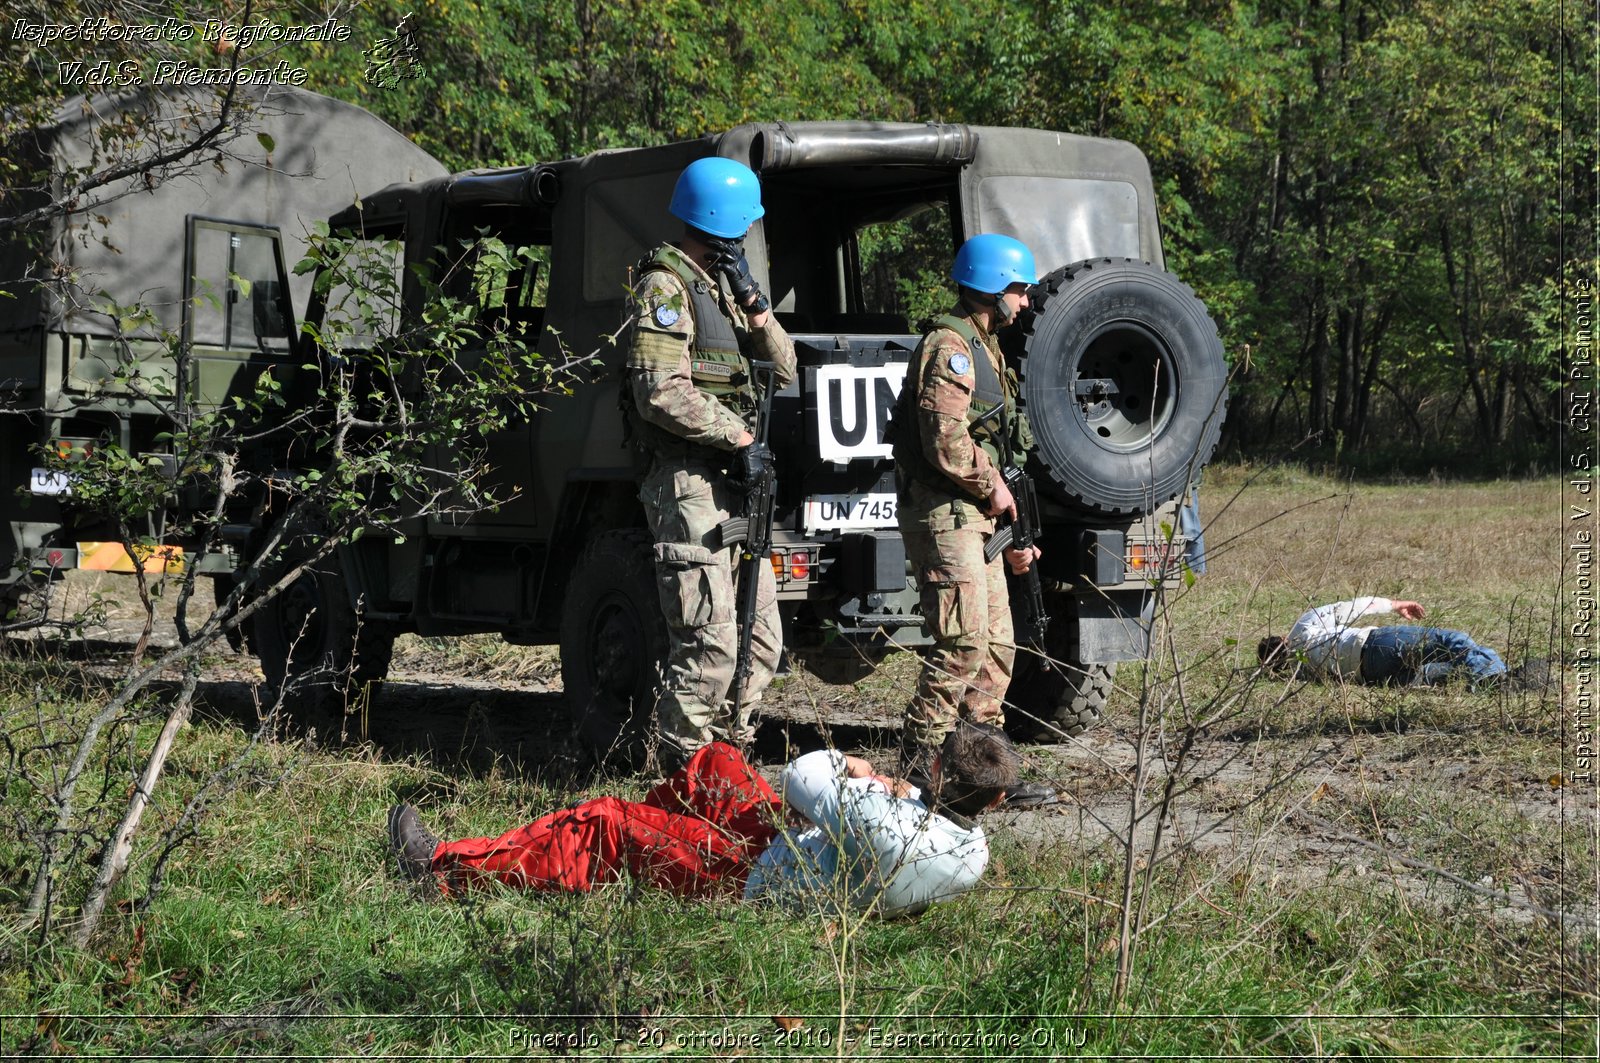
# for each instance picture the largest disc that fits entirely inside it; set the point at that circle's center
(977, 765)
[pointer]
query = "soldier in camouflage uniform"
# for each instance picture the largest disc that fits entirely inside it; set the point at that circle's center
(951, 491)
(690, 402)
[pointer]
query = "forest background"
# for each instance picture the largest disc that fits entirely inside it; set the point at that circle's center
(1383, 202)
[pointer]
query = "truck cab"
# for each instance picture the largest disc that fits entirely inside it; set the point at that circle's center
(152, 302)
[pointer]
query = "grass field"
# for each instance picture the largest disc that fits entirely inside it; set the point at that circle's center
(1340, 872)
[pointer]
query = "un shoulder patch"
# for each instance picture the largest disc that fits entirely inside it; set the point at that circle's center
(666, 317)
(960, 364)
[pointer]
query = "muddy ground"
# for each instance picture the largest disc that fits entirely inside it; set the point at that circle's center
(1283, 811)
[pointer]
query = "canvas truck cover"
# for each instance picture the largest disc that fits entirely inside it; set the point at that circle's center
(324, 154)
(1068, 197)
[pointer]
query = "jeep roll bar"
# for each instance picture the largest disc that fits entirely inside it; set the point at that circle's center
(521, 185)
(795, 145)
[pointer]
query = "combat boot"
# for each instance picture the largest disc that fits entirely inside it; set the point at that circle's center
(1029, 795)
(412, 844)
(1533, 674)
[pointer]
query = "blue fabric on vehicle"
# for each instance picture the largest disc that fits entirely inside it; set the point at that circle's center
(1194, 554)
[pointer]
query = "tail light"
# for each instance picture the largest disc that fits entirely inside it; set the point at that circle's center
(791, 567)
(1153, 558)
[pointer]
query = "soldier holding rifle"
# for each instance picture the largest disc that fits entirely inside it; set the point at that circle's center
(949, 460)
(690, 399)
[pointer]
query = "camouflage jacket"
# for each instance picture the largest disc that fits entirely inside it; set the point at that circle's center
(942, 398)
(689, 380)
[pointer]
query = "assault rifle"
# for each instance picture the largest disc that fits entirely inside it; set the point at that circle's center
(1020, 534)
(753, 530)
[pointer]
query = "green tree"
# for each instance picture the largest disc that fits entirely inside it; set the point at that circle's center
(1364, 193)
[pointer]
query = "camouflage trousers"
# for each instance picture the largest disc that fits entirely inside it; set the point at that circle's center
(967, 609)
(684, 501)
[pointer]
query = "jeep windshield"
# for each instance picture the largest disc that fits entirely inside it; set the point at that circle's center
(839, 239)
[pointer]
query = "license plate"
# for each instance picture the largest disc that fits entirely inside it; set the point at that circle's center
(46, 482)
(831, 512)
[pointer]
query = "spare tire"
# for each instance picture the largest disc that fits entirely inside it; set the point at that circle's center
(1124, 384)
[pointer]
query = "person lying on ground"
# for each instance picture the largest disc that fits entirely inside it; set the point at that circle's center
(716, 828)
(1326, 646)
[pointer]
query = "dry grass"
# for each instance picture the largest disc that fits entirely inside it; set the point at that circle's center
(1465, 781)
(1483, 557)
(485, 657)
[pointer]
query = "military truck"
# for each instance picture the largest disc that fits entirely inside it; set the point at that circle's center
(1122, 377)
(202, 250)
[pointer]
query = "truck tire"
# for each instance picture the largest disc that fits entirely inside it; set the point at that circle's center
(242, 637)
(1068, 700)
(25, 603)
(1082, 701)
(1123, 382)
(614, 646)
(319, 651)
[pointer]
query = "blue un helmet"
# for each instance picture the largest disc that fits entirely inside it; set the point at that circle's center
(718, 196)
(991, 263)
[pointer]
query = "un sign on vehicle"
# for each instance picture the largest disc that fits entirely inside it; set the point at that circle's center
(854, 404)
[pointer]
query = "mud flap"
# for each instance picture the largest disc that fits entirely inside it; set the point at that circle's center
(1114, 626)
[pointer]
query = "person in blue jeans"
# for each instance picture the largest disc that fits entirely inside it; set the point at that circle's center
(1326, 644)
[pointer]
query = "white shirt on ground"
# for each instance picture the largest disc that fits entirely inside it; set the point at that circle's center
(1330, 646)
(865, 847)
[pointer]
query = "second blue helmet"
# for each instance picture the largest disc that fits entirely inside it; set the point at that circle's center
(991, 263)
(718, 196)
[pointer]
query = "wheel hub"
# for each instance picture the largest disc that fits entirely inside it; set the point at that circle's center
(1125, 387)
(300, 614)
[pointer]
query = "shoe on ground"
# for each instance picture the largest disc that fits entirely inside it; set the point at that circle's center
(411, 843)
(1029, 795)
(1532, 674)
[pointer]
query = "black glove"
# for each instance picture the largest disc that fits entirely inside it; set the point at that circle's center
(732, 264)
(751, 464)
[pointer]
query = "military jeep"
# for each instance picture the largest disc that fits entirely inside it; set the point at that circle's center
(1122, 378)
